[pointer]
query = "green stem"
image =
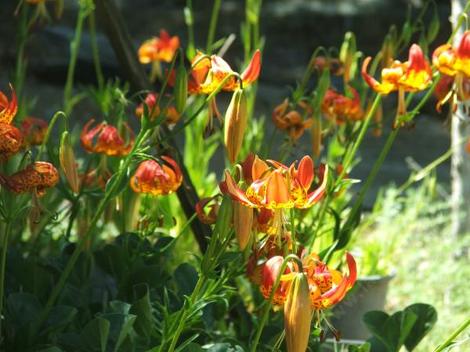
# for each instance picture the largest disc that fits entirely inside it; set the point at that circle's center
(362, 132)
(213, 25)
(74, 49)
(425, 171)
(6, 235)
(371, 177)
(452, 337)
(182, 320)
(84, 240)
(95, 51)
(20, 69)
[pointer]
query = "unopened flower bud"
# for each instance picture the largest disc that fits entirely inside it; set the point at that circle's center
(236, 119)
(68, 162)
(297, 314)
(243, 223)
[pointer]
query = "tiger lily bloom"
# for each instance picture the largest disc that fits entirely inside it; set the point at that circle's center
(292, 121)
(34, 130)
(161, 48)
(153, 178)
(209, 72)
(410, 76)
(328, 287)
(171, 115)
(340, 108)
(37, 177)
(8, 107)
(270, 272)
(454, 62)
(105, 139)
(11, 138)
(276, 186)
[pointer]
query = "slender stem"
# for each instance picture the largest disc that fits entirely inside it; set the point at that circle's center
(365, 125)
(371, 177)
(6, 235)
(74, 49)
(213, 25)
(452, 337)
(182, 321)
(95, 51)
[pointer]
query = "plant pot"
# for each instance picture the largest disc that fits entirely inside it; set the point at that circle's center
(368, 294)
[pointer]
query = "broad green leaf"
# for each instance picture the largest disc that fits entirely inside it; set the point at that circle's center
(427, 317)
(94, 336)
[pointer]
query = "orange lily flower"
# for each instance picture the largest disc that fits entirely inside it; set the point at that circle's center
(34, 130)
(151, 177)
(208, 73)
(276, 186)
(271, 270)
(333, 64)
(172, 116)
(11, 138)
(340, 108)
(8, 107)
(410, 76)
(328, 287)
(454, 62)
(37, 176)
(105, 139)
(292, 121)
(161, 48)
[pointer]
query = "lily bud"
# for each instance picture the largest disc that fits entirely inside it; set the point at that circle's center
(68, 162)
(243, 223)
(236, 119)
(347, 55)
(298, 314)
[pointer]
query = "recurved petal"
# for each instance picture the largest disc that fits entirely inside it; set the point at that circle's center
(251, 73)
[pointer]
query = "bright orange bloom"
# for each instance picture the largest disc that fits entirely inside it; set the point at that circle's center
(8, 108)
(34, 130)
(11, 141)
(161, 48)
(172, 116)
(328, 287)
(271, 270)
(455, 63)
(105, 139)
(207, 73)
(292, 121)
(340, 108)
(276, 186)
(410, 76)
(11, 138)
(37, 176)
(451, 61)
(151, 177)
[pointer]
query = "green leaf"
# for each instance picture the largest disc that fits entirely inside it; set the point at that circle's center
(427, 317)
(142, 308)
(94, 336)
(59, 317)
(21, 309)
(120, 327)
(186, 277)
(390, 330)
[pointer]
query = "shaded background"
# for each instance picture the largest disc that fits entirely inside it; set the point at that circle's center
(292, 30)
